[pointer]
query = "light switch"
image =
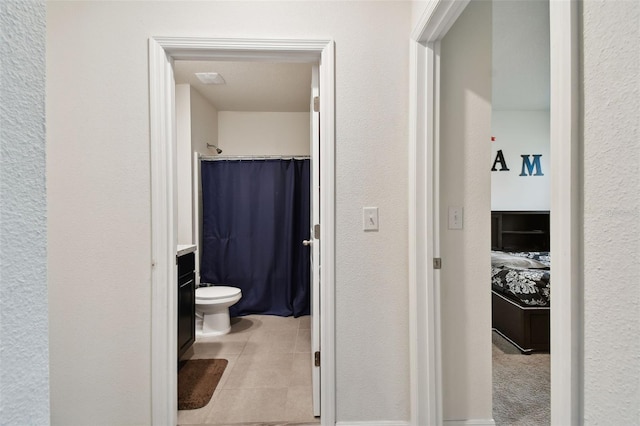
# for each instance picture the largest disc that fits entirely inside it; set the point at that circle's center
(455, 218)
(370, 218)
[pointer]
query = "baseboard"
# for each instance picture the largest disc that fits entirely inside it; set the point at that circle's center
(470, 422)
(374, 423)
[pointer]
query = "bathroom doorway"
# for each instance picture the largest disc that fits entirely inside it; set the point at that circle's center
(248, 127)
(163, 53)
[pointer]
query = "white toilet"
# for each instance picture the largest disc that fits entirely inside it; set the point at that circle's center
(212, 309)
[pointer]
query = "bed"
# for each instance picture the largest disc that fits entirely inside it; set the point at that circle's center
(520, 279)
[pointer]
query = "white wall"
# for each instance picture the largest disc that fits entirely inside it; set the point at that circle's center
(520, 100)
(204, 124)
(417, 9)
(465, 182)
(264, 133)
(204, 130)
(196, 126)
(611, 126)
(24, 333)
(521, 61)
(99, 215)
(520, 133)
(184, 159)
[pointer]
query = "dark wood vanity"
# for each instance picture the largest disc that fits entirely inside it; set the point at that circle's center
(186, 301)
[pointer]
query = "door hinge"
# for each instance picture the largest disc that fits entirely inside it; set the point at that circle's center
(437, 263)
(317, 359)
(316, 231)
(316, 104)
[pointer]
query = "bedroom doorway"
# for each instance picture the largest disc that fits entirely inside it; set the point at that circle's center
(162, 54)
(429, 219)
(520, 211)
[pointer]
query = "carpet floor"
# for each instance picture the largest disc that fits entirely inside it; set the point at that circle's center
(521, 386)
(197, 379)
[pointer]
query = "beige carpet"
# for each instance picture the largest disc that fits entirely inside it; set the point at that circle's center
(520, 385)
(197, 379)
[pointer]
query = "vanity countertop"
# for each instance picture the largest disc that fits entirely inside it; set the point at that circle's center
(185, 249)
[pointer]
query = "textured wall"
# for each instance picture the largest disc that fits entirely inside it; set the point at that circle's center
(611, 70)
(466, 182)
(24, 353)
(99, 190)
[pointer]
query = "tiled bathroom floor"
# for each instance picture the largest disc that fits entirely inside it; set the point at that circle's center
(268, 378)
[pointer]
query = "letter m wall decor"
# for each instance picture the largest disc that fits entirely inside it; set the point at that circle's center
(529, 166)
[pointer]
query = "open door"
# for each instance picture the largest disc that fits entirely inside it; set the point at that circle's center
(464, 138)
(315, 238)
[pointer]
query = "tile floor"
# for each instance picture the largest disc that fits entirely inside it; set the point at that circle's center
(268, 378)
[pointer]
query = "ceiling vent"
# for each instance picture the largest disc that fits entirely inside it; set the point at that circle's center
(210, 78)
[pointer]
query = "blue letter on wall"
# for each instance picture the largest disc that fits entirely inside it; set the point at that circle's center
(529, 166)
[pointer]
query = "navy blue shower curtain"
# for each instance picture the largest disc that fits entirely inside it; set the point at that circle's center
(255, 216)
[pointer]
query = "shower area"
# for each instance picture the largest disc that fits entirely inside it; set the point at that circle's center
(255, 215)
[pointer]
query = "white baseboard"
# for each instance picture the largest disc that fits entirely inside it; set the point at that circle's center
(470, 422)
(374, 423)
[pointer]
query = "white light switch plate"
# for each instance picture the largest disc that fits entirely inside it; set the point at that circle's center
(455, 217)
(370, 218)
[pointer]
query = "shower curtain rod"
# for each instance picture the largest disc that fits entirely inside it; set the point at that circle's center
(252, 157)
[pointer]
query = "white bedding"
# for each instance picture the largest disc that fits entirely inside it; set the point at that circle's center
(502, 259)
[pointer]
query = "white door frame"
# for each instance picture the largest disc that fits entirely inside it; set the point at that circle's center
(566, 339)
(162, 53)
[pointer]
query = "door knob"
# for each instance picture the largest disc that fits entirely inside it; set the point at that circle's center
(307, 242)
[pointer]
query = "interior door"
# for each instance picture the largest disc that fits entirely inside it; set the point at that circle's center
(464, 185)
(315, 238)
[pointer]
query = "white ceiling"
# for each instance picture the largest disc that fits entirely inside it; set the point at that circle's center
(251, 86)
(521, 55)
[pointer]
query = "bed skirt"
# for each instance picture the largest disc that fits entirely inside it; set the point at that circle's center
(527, 327)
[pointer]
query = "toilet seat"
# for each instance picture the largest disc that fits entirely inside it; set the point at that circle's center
(216, 292)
